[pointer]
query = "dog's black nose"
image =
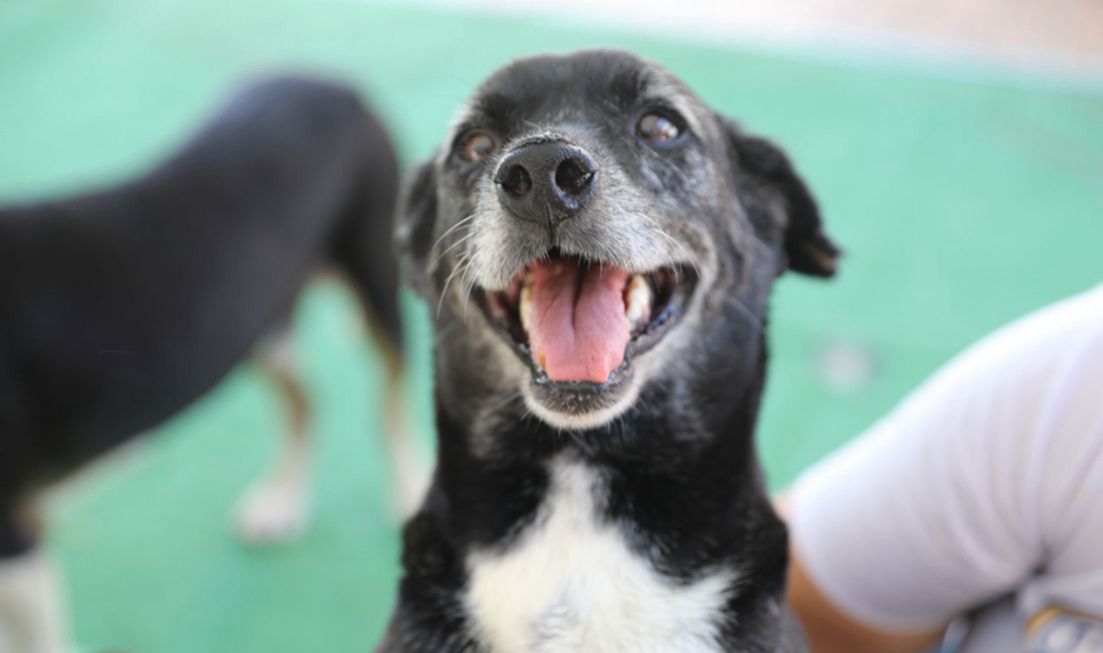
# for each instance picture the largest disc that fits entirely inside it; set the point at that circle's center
(549, 180)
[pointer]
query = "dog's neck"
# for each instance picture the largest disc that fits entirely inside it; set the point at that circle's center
(690, 489)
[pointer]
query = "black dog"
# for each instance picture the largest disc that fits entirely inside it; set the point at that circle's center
(598, 247)
(121, 307)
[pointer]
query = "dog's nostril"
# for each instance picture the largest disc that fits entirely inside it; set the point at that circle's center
(573, 175)
(517, 181)
(545, 181)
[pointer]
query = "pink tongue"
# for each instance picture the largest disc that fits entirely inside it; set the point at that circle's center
(578, 330)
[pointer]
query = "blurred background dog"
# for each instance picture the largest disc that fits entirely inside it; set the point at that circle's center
(956, 146)
(122, 306)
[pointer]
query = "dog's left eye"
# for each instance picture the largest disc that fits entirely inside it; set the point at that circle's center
(657, 129)
(477, 146)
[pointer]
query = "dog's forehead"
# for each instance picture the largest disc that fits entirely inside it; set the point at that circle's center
(590, 82)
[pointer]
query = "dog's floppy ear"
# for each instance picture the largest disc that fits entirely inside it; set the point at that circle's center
(808, 249)
(414, 222)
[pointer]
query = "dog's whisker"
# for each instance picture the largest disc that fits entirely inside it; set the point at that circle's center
(461, 241)
(685, 258)
(435, 261)
(447, 282)
(508, 399)
(538, 128)
(468, 282)
(458, 224)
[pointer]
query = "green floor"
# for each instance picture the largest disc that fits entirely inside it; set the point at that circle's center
(962, 202)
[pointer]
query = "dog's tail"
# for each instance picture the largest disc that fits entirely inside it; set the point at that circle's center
(362, 246)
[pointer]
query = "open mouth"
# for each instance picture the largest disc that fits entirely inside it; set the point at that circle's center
(580, 321)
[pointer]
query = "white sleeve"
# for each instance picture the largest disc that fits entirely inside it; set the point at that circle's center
(946, 503)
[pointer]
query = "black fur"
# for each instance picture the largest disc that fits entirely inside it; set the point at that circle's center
(807, 249)
(120, 307)
(679, 466)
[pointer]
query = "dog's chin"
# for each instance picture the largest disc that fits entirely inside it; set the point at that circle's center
(580, 406)
(581, 328)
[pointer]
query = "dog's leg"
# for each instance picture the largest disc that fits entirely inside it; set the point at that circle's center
(32, 618)
(408, 461)
(276, 507)
(409, 464)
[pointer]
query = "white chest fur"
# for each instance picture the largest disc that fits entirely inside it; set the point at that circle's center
(571, 584)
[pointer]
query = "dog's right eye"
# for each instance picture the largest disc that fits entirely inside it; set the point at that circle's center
(477, 146)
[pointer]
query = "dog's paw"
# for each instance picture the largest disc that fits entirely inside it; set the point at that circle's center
(271, 513)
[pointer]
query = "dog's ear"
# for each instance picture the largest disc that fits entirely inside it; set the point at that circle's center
(415, 219)
(787, 200)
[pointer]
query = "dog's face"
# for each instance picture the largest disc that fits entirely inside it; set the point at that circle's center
(591, 230)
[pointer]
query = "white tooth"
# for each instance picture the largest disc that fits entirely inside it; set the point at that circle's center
(637, 300)
(526, 306)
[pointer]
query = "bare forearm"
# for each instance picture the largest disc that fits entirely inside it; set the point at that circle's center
(829, 630)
